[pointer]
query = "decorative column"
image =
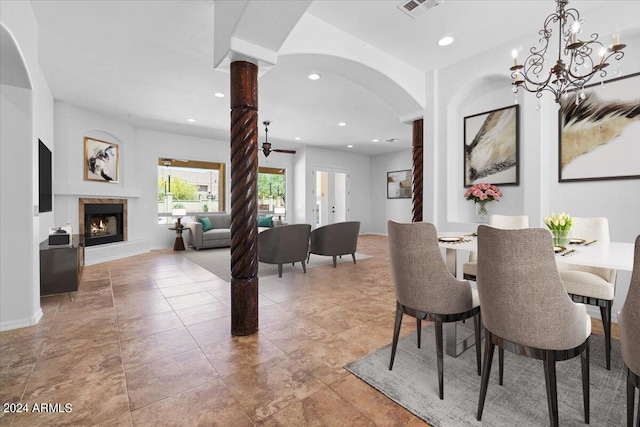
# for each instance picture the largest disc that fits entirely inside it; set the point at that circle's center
(417, 170)
(244, 198)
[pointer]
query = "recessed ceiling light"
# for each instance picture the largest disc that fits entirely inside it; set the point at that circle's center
(219, 95)
(445, 41)
(342, 124)
(375, 140)
(314, 76)
(191, 120)
(297, 138)
(349, 146)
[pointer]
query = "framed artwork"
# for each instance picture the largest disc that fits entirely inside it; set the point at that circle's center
(599, 139)
(491, 147)
(399, 184)
(101, 160)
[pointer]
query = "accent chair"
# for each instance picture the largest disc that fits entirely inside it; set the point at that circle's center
(505, 222)
(629, 322)
(526, 310)
(287, 243)
(425, 289)
(335, 240)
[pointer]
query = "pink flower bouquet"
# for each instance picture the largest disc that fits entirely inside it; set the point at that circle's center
(482, 193)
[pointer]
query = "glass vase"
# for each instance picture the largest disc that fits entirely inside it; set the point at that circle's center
(482, 211)
(560, 237)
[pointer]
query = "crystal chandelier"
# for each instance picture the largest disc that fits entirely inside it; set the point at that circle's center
(575, 65)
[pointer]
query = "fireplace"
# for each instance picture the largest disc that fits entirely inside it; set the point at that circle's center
(103, 221)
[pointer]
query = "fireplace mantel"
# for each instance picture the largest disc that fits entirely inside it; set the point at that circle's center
(97, 190)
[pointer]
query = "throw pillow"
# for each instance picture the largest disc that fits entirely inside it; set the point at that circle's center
(265, 221)
(206, 223)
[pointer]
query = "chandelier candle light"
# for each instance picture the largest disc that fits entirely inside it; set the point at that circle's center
(575, 65)
(482, 194)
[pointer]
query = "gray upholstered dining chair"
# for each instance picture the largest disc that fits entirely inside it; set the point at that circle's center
(525, 309)
(425, 289)
(592, 285)
(335, 240)
(505, 222)
(629, 322)
(284, 244)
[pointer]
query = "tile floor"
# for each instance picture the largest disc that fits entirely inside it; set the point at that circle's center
(147, 341)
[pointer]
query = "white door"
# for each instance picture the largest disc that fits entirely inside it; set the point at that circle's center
(331, 192)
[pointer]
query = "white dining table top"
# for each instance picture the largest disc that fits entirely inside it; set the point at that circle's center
(616, 255)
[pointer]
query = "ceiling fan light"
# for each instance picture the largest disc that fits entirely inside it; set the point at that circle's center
(342, 124)
(314, 76)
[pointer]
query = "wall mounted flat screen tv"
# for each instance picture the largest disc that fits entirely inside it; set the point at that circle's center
(45, 182)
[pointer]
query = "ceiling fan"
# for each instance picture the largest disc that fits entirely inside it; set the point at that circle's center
(266, 145)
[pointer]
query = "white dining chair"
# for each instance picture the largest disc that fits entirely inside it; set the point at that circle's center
(505, 222)
(592, 285)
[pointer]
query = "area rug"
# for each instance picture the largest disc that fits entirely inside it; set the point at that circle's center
(521, 401)
(218, 261)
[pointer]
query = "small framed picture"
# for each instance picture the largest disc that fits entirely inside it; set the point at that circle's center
(101, 160)
(599, 137)
(491, 147)
(399, 184)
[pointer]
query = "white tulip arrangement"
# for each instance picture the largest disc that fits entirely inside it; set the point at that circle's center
(562, 221)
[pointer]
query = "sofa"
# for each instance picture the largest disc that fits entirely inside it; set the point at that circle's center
(220, 235)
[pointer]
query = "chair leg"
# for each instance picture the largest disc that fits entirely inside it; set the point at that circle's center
(304, 266)
(550, 381)
(419, 330)
(308, 256)
(631, 395)
(396, 333)
(605, 313)
(486, 371)
(354, 257)
(439, 347)
(500, 366)
(584, 361)
(279, 270)
(638, 418)
(477, 325)
(334, 261)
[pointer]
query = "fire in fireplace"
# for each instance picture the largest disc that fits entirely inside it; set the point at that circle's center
(103, 223)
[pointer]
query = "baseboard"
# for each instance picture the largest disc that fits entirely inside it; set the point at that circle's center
(21, 323)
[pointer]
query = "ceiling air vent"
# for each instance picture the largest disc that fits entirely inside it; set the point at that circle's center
(415, 8)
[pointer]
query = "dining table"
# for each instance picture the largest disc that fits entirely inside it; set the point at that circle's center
(605, 254)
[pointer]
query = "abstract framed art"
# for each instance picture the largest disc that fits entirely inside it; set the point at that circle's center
(491, 147)
(399, 184)
(101, 160)
(599, 139)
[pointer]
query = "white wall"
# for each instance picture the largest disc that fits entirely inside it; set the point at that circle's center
(381, 208)
(24, 115)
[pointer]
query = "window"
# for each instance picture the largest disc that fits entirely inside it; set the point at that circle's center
(272, 191)
(189, 184)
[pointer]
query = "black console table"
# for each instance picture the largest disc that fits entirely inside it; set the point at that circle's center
(61, 266)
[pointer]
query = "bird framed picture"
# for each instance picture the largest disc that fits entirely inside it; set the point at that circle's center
(101, 160)
(599, 137)
(491, 147)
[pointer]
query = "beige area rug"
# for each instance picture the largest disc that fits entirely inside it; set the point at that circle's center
(218, 261)
(521, 401)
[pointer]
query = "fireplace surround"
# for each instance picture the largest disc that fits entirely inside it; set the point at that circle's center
(103, 221)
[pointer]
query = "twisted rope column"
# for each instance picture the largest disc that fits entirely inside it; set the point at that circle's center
(244, 198)
(417, 170)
